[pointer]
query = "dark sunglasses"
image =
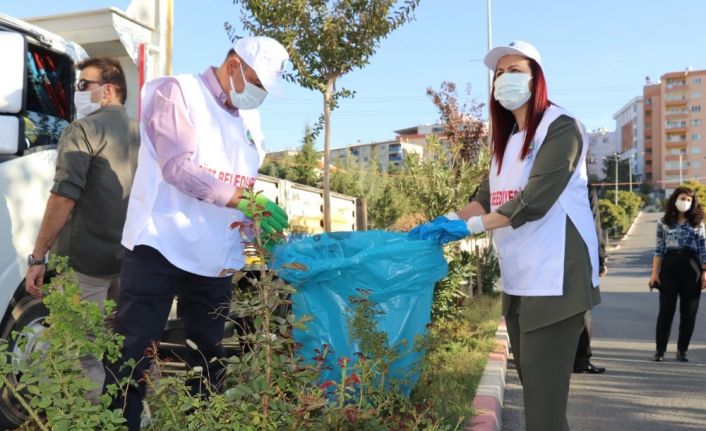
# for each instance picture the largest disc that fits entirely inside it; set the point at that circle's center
(84, 83)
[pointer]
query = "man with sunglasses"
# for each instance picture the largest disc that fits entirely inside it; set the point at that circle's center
(86, 209)
(201, 150)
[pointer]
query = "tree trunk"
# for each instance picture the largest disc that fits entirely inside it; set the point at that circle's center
(327, 155)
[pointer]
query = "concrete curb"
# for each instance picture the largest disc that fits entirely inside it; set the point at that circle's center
(488, 401)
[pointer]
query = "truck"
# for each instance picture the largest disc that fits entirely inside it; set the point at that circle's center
(37, 83)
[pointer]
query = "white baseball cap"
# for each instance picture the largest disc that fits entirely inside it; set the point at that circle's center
(267, 58)
(516, 47)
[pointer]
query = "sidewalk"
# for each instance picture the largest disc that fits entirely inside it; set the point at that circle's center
(635, 394)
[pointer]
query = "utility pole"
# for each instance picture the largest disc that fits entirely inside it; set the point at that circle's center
(630, 167)
(681, 156)
(490, 72)
(615, 154)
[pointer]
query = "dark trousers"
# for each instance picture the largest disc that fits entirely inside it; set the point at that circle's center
(583, 352)
(149, 284)
(543, 358)
(680, 276)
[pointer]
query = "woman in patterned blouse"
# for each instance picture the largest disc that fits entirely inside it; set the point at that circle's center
(678, 268)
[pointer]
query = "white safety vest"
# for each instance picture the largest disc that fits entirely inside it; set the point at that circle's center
(194, 235)
(531, 257)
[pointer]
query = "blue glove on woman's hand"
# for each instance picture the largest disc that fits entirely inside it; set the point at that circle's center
(441, 229)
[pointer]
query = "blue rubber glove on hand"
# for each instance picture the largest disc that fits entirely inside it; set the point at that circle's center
(441, 229)
(447, 228)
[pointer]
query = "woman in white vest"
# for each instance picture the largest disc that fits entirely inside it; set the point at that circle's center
(536, 203)
(200, 153)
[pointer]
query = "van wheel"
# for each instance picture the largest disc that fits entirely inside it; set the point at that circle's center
(27, 312)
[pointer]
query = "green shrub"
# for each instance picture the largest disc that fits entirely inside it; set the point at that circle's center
(628, 201)
(614, 220)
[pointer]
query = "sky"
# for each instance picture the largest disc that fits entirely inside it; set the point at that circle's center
(596, 55)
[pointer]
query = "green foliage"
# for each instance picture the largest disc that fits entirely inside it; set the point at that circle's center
(267, 387)
(451, 292)
(325, 41)
(489, 267)
(384, 209)
(440, 181)
(306, 161)
(629, 202)
(613, 218)
(699, 188)
(276, 168)
(457, 352)
(43, 373)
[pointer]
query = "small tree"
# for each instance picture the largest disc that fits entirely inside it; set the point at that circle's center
(462, 127)
(613, 217)
(629, 202)
(384, 210)
(303, 170)
(326, 40)
(437, 185)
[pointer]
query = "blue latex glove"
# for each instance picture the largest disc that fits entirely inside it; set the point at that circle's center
(441, 229)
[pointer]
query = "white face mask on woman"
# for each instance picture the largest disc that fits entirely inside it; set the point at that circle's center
(251, 97)
(83, 103)
(512, 90)
(683, 205)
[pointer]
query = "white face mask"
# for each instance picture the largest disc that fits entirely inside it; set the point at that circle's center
(251, 97)
(512, 90)
(683, 206)
(83, 103)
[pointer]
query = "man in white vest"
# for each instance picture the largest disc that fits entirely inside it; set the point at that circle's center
(201, 150)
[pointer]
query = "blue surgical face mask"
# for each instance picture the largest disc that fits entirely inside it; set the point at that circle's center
(251, 97)
(512, 90)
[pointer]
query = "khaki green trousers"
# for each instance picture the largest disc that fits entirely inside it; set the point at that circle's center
(544, 358)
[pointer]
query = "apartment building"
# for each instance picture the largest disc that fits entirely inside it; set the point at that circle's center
(386, 154)
(601, 144)
(675, 129)
(629, 135)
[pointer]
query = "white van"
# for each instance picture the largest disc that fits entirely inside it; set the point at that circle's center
(36, 92)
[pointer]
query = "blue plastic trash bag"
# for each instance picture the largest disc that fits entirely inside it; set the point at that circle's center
(398, 272)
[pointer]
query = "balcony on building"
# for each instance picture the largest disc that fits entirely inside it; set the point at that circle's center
(676, 102)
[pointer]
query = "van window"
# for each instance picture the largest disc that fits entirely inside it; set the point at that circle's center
(48, 106)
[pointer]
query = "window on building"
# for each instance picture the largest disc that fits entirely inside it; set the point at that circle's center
(696, 136)
(695, 164)
(695, 150)
(696, 80)
(696, 95)
(696, 108)
(696, 122)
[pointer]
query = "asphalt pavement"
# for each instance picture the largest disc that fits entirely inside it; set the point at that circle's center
(635, 394)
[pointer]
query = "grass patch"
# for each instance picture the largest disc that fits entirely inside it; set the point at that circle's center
(458, 351)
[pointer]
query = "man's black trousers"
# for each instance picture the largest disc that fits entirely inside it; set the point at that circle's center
(149, 284)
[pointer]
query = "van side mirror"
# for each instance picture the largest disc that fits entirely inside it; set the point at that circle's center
(13, 52)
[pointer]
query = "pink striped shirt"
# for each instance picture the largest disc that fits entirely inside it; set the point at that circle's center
(168, 126)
